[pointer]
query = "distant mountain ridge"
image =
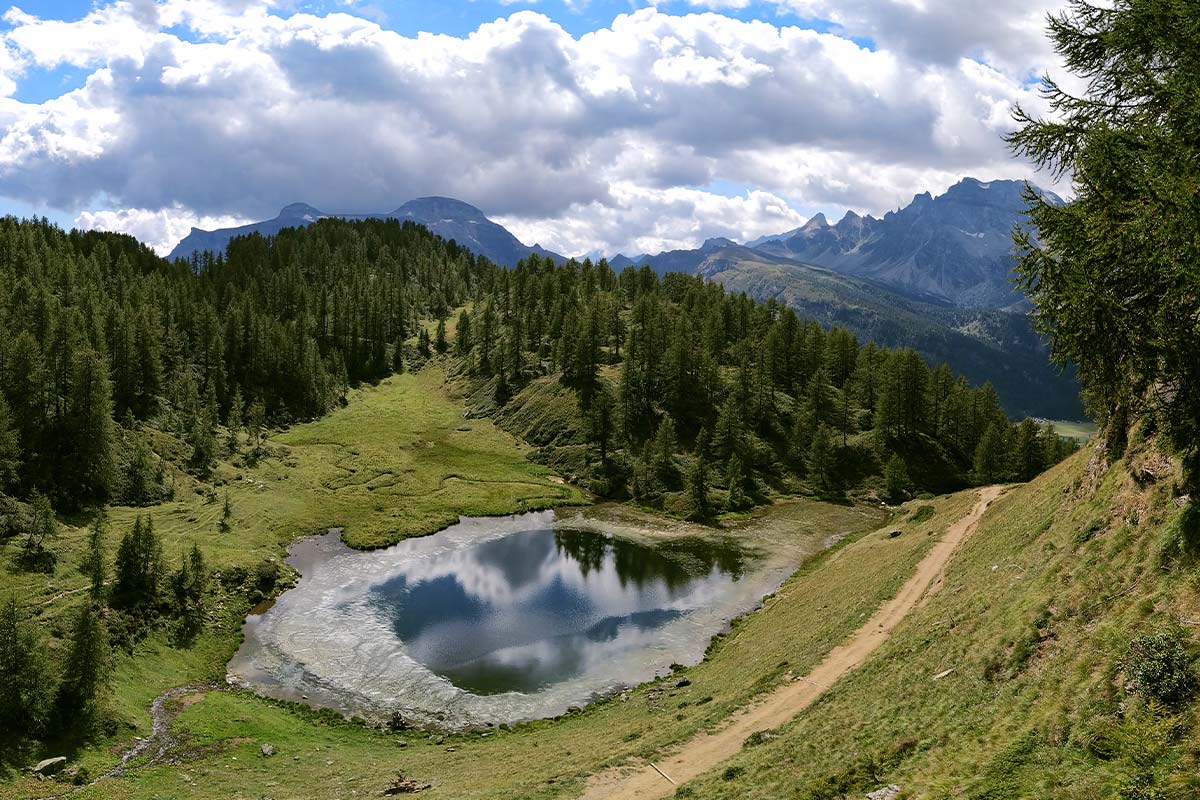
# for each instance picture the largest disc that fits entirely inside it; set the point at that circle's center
(956, 247)
(444, 216)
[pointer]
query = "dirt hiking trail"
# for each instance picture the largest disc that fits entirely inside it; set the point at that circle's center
(707, 749)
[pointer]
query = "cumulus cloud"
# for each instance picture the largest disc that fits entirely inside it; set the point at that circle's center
(161, 229)
(593, 142)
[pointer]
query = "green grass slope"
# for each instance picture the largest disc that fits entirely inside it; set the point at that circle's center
(1012, 681)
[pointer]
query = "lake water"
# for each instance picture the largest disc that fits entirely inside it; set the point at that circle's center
(493, 620)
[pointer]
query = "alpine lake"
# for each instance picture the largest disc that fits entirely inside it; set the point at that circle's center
(502, 619)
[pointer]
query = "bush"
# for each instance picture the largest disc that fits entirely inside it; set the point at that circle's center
(1161, 666)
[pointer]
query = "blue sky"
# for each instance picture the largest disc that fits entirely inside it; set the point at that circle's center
(585, 125)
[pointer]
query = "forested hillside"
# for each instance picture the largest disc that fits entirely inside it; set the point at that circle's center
(662, 389)
(103, 335)
(672, 381)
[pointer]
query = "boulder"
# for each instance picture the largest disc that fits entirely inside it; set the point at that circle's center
(267, 750)
(889, 792)
(49, 766)
(682, 682)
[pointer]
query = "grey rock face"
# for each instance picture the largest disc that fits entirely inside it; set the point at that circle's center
(956, 247)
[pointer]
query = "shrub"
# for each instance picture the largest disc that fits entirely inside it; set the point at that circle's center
(1161, 666)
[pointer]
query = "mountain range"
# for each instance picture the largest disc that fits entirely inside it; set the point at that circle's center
(447, 217)
(934, 276)
(955, 248)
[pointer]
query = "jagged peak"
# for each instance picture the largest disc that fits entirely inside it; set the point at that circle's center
(817, 221)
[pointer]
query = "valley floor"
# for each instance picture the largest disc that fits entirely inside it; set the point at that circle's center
(988, 688)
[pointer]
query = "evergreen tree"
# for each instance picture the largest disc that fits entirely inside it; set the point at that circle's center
(895, 479)
(94, 565)
(601, 418)
(990, 456)
(88, 474)
(43, 529)
(233, 421)
(728, 438)
(10, 449)
(1112, 274)
(226, 514)
(256, 420)
(440, 344)
(143, 483)
(736, 476)
(25, 681)
(697, 490)
(188, 585)
(423, 346)
(821, 464)
(398, 365)
(1027, 451)
(462, 334)
(85, 671)
(203, 441)
(663, 451)
(139, 568)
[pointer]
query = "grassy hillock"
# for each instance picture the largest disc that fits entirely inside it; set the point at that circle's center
(1015, 680)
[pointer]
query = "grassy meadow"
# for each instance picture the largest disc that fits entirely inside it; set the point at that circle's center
(985, 692)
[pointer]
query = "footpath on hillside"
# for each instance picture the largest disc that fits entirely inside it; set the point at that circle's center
(707, 749)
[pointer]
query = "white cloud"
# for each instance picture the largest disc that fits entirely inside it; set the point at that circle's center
(642, 220)
(160, 229)
(595, 142)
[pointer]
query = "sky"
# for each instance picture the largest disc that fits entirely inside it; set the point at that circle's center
(588, 126)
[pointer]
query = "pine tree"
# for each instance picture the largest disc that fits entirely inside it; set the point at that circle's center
(143, 483)
(440, 344)
(94, 565)
(821, 465)
(663, 458)
(226, 514)
(895, 479)
(85, 671)
(398, 365)
(43, 529)
(1112, 274)
(188, 585)
(990, 456)
(737, 485)
(462, 334)
(1028, 451)
(256, 420)
(10, 449)
(139, 568)
(601, 418)
(233, 421)
(89, 474)
(26, 695)
(203, 442)
(697, 489)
